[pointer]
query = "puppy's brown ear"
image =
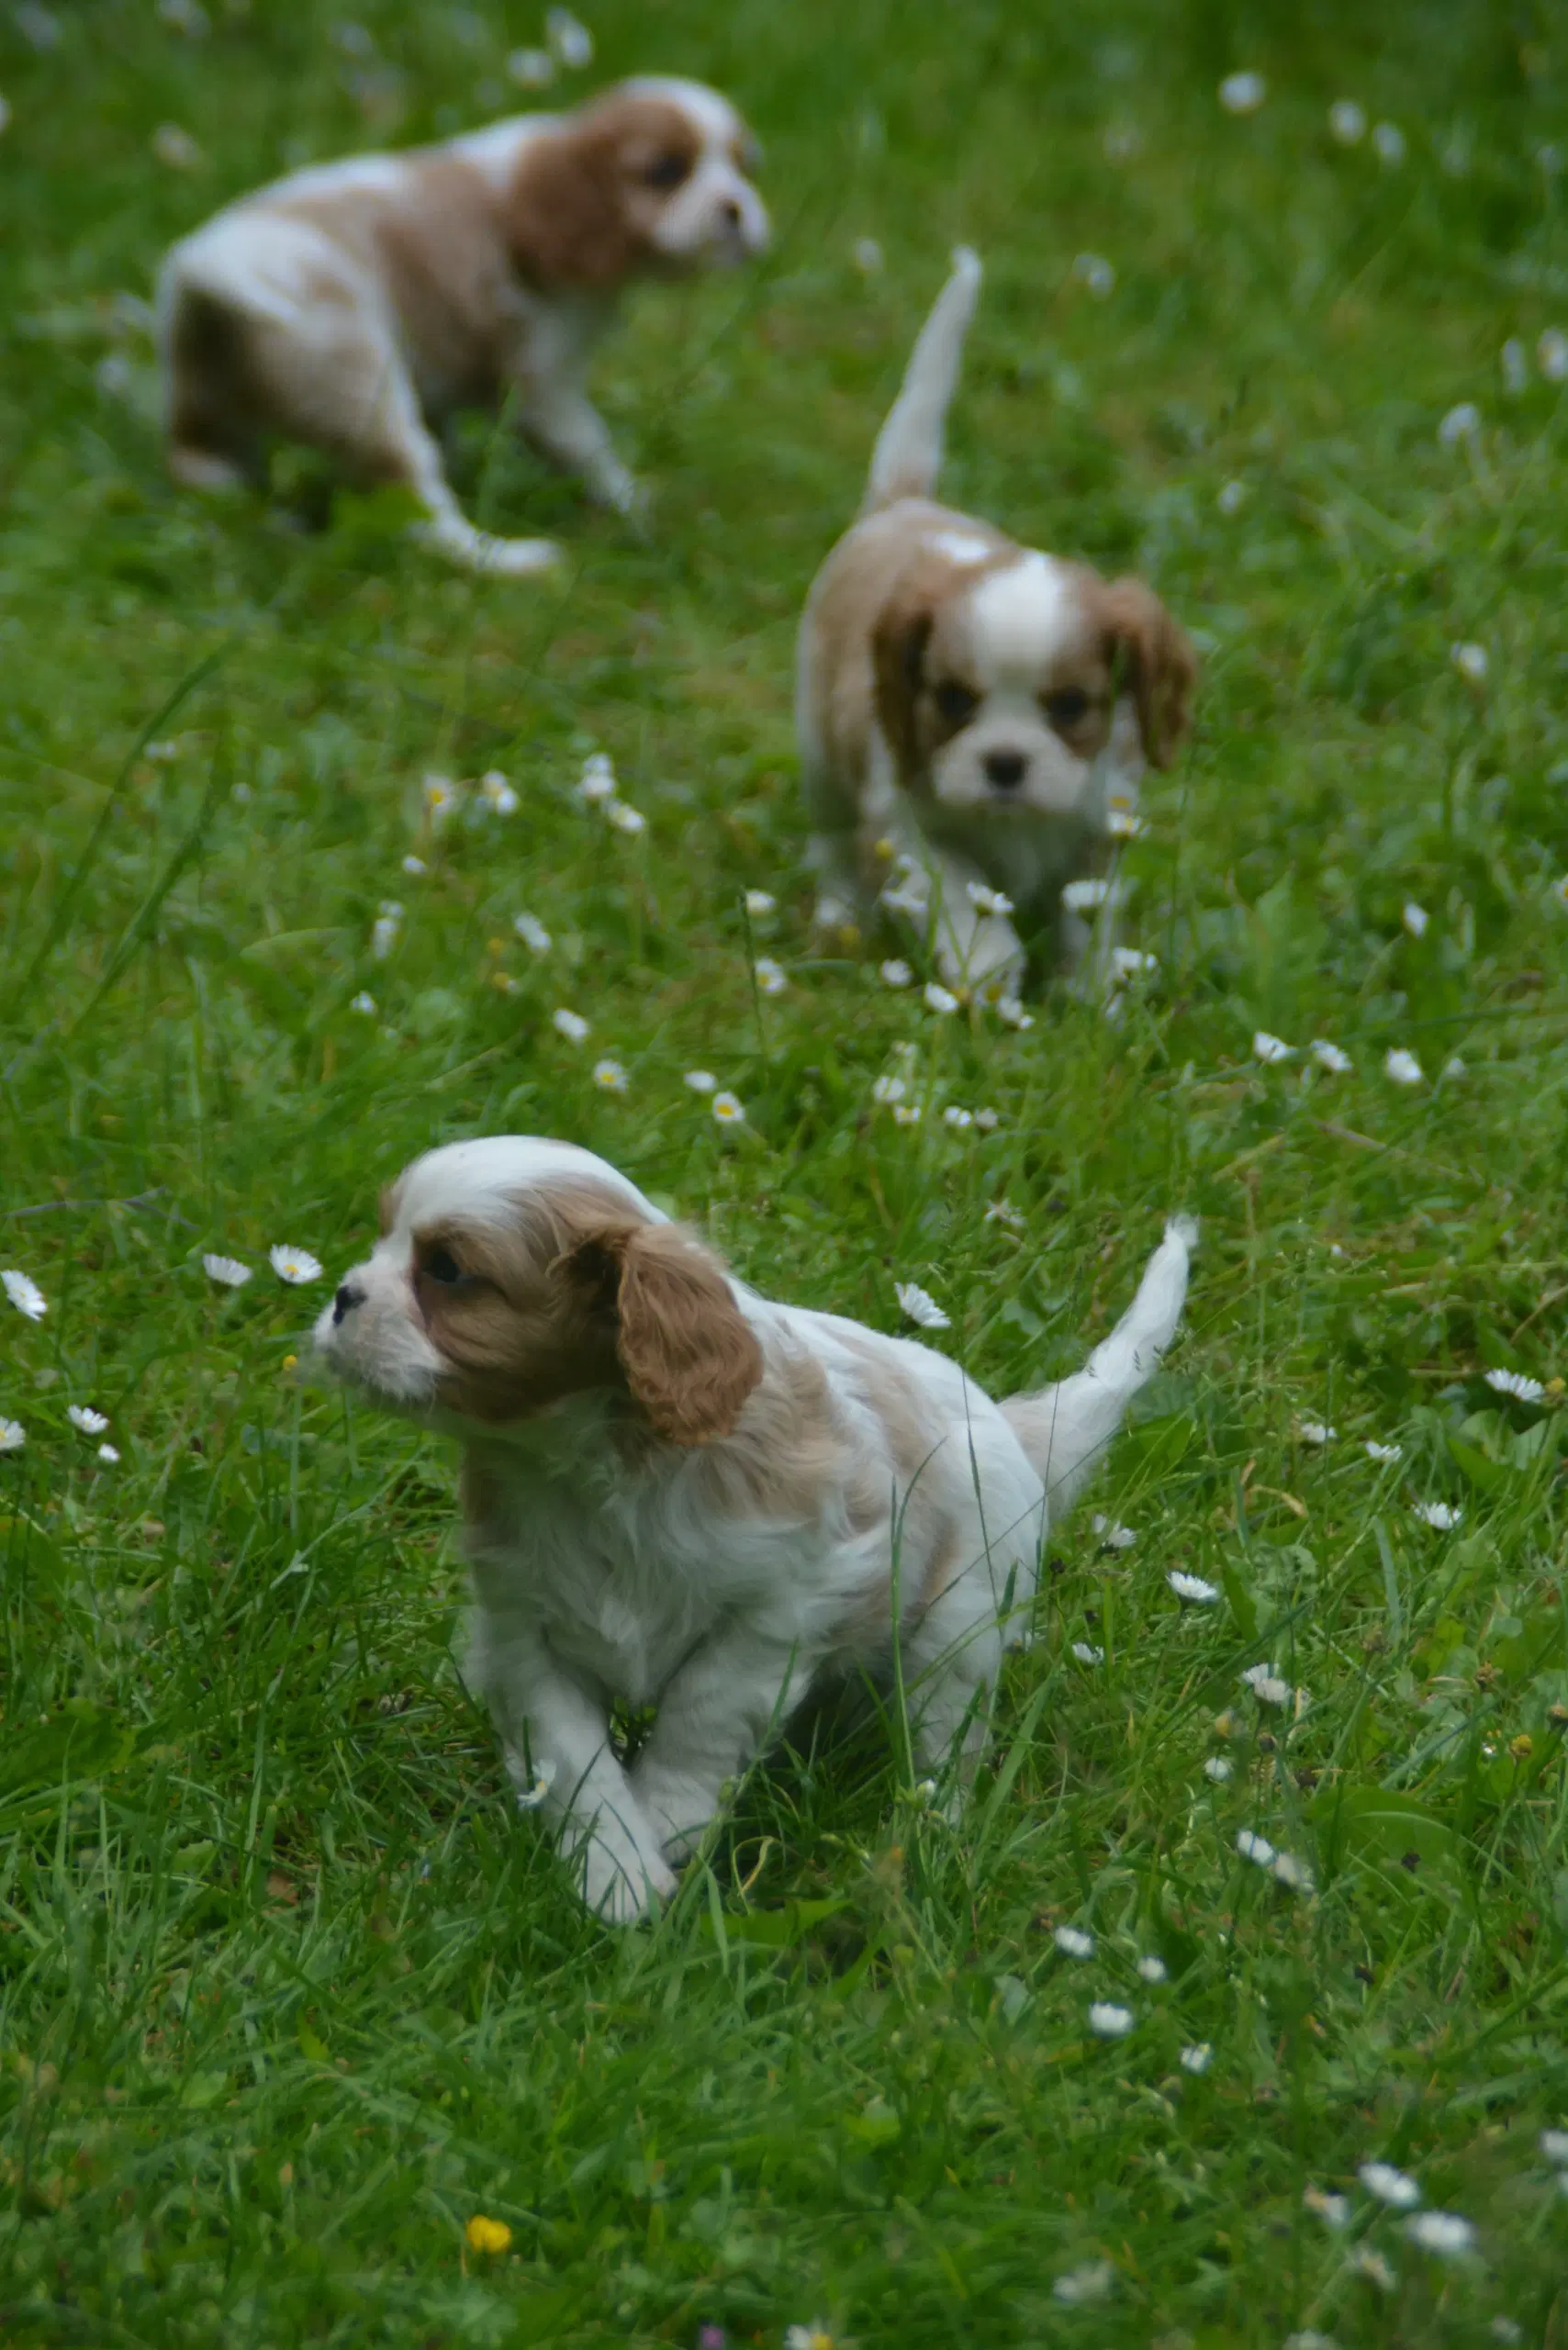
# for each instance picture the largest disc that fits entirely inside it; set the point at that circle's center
(898, 640)
(689, 1356)
(565, 222)
(1161, 666)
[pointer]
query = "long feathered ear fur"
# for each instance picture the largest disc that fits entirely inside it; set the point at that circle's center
(1161, 666)
(689, 1356)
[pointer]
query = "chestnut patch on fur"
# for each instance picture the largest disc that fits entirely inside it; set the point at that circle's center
(586, 197)
(1161, 666)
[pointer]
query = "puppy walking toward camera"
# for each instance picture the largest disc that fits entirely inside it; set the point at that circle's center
(357, 306)
(678, 1494)
(973, 716)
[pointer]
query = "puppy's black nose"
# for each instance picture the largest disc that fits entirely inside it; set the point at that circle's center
(347, 1298)
(730, 213)
(1005, 769)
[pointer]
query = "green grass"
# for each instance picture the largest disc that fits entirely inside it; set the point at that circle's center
(287, 1992)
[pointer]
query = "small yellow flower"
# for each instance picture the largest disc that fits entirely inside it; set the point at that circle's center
(487, 2236)
(1522, 1747)
(494, 947)
(291, 1362)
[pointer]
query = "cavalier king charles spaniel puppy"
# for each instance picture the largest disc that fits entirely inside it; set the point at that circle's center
(677, 1493)
(973, 716)
(357, 305)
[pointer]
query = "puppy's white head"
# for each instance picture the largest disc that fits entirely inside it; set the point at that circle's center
(654, 176)
(513, 1272)
(997, 670)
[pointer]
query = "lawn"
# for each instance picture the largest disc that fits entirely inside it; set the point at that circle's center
(290, 1994)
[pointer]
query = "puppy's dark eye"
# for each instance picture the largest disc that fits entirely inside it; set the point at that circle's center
(667, 170)
(1067, 707)
(441, 1265)
(955, 702)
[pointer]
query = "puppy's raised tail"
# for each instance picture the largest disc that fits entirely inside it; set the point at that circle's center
(907, 455)
(1065, 1429)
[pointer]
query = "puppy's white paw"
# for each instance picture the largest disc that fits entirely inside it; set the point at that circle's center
(479, 550)
(620, 1888)
(680, 1809)
(202, 469)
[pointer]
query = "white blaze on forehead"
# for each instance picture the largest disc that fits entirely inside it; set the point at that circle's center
(1020, 616)
(712, 116)
(958, 546)
(482, 1178)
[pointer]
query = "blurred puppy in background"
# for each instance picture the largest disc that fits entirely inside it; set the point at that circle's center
(973, 717)
(357, 306)
(678, 1494)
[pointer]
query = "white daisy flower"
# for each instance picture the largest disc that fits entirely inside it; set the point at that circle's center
(907, 898)
(1415, 918)
(597, 783)
(25, 1294)
(1151, 1969)
(1516, 1383)
(1461, 423)
(1109, 2021)
(570, 1024)
(498, 794)
(907, 1113)
(295, 1266)
(957, 1118)
(569, 40)
(1093, 270)
(504, 984)
(1003, 1212)
(229, 1272)
(1552, 355)
(1382, 1453)
(1390, 2185)
(702, 1081)
(987, 900)
(771, 977)
(1443, 2233)
(82, 1416)
(1267, 1686)
(530, 68)
(1388, 143)
(1471, 662)
(1315, 1432)
(529, 1798)
(866, 255)
(1402, 1067)
(386, 929)
(1243, 93)
(759, 903)
(1256, 1849)
(1219, 1768)
(1111, 1535)
(939, 998)
(1442, 1516)
(1074, 1941)
(1086, 1655)
(1084, 897)
(532, 933)
(1554, 2144)
(109, 1453)
(1515, 365)
(1334, 2210)
(13, 1435)
(1012, 1015)
(1231, 497)
(1291, 1872)
(1332, 1057)
(988, 1120)
(1196, 2058)
(1346, 122)
(1271, 1049)
(814, 2336)
(887, 1089)
(1193, 1588)
(625, 819)
(440, 796)
(728, 1111)
(364, 1002)
(415, 867)
(1128, 963)
(1452, 1069)
(1090, 2283)
(608, 1076)
(919, 1307)
(175, 148)
(1375, 2270)
(896, 973)
(1123, 822)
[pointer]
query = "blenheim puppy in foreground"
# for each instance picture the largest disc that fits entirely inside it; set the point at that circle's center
(358, 305)
(973, 716)
(678, 1494)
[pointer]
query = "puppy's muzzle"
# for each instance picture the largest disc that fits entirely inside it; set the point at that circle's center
(1005, 770)
(347, 1298)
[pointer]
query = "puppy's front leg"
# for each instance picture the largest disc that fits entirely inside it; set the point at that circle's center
(712, 1720)
(974, 949)
(559, 417)
(556, 1734)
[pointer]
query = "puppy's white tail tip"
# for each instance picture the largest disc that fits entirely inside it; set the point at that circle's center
(908, 454)
(1183, 1228)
